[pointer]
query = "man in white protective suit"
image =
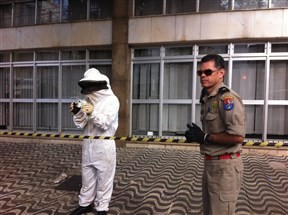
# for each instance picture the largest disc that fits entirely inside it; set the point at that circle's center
(98, 115)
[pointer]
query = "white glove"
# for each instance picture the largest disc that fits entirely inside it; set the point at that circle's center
(87, 108)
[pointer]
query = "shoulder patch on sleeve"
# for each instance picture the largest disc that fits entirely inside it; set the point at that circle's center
(228, 101)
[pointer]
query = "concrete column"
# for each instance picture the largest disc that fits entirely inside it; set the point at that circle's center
(121, 77)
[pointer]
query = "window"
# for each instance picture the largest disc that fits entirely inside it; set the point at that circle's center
(249, 48)
(4, 115)
(180, 6)
(214, 5)
(178, 51)
(145, 117)
(148, 7)
(149, 52)
(4, 87)
(48, 11)
(255, 121)
(47, 55)
(278, 80)
(163, 100)
(22, 116)
(277, 118)
(212, 49)
(100, 54)
(146, 79)
(74, 10)
(71, 76)
(47, 82)
(279, 47)
(44, 85)
(177, 79)
(74, 55)
(4, 57)
(279, 3)
(23, 82)
(23, 56)
(248, 79)
(49, 121)
(24, 13)
(5, 15)
(101, 9)
(250, 4)
(175, 119)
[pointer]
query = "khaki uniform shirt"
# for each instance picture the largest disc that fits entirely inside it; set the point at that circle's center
(222, 112)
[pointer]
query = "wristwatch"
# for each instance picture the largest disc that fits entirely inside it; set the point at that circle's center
(207, 138)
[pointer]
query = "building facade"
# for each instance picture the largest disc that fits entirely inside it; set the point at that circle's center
(151, 50)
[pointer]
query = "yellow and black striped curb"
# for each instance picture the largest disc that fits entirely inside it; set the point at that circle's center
(137, 139)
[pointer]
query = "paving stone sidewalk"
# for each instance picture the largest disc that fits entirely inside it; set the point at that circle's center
(147, 181)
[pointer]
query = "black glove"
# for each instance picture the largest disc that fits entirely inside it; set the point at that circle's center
(74, 108)
(194, 134)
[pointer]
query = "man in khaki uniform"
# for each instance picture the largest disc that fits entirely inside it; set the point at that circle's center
(223, 122)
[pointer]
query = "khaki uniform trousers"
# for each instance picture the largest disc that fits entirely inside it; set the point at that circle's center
(221, 184)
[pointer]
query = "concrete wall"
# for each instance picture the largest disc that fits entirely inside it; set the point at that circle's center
(233, 25)
(88, 33)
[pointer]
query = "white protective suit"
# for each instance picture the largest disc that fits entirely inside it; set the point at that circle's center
(98, 156)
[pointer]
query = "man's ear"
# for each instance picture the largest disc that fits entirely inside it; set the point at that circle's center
(222, 72)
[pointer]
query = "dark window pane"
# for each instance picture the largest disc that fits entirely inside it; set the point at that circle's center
(149, 52)
(4, 82)
(100, 9)
(24, 14)
(279, 47)
(214, 5)
(277, 118)
(50, 120)
(47, 82)
(146, 81)
(180, 6)
(73, 55)
(148, 7)
(23, 82)
(100, 54)
(70, 77)
(5, 15)
(248, 79)
(4, 112)
(174, 117)
(177, 79)
(22, 116)
(74, 10)
(250, 4)
(278, 80)
(249, 48)
(279, 3)
(4, 57)
(177, 51)
(145, 118)
(47, 55)
(219, 49)
(48, 11)
(23, 56)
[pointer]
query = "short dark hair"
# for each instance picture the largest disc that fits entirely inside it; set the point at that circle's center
(219, 61)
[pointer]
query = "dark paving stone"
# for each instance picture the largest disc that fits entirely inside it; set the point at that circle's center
(73, 183)
(147, 181)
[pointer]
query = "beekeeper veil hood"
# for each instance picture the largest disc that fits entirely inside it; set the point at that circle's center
(93, 81)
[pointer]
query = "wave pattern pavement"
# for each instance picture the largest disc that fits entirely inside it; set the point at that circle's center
(147, 181)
